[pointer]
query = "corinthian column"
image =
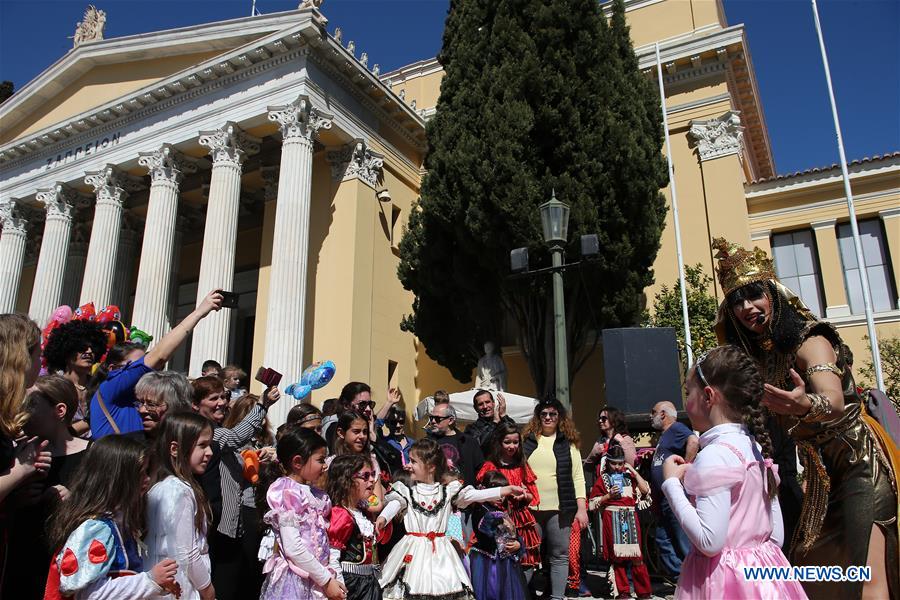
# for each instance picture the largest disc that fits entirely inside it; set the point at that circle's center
(12, 254)
(299, 122)
(112, 187)
(59, 202)
(228, 147)
(167, 167)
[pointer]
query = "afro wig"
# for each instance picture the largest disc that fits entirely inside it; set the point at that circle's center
(71, 338)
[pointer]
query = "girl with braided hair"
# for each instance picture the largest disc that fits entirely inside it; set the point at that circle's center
(849, 510)
(734, 519)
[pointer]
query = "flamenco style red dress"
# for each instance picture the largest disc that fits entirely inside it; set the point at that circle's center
(518, 511)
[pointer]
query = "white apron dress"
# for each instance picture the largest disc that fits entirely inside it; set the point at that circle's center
(424, 565)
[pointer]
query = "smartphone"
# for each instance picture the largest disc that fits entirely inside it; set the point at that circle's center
(268, 377)
(229, 299)
(619, 480)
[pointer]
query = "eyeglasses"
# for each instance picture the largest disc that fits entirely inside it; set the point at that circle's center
(365, 475)
(549, 414)
(437, 418)
(364, 405)
(150, 404)
(603, 419)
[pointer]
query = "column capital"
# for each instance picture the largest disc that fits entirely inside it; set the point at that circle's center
(59, 201)
(166, 164)
(112, 185)
(718, 137)
(11, 218)
(300, 119)
(356, 160)
(229, 144)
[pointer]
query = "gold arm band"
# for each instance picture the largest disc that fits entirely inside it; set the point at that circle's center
(820, 407)
(823, 367)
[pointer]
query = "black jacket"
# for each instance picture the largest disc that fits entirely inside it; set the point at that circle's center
(483, 428)
(470, 456)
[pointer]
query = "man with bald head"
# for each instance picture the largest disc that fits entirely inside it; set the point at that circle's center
(676, 438)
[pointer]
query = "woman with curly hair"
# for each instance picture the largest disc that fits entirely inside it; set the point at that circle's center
(71, 351)
(551, 447)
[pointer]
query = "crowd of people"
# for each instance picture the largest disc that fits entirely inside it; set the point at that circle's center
(121, 480)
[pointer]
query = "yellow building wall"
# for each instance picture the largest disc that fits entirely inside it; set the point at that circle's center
(663, 20)
(98, 86)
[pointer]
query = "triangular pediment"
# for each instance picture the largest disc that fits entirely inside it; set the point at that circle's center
(273, 39)
(96, 73)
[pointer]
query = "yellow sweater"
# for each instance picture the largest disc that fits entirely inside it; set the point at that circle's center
(543, 462)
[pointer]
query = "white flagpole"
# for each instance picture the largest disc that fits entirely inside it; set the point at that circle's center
(860, 259)
(684, 304)
(253, 11)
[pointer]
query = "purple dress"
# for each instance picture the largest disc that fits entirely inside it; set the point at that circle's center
(299, 568)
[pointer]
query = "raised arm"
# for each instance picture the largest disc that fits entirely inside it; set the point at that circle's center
(242, 432)
(160, 354)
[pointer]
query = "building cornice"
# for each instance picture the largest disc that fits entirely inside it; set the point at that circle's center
(887, 165)
(814, 207)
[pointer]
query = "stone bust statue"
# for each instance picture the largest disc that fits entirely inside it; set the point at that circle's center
(490, 374)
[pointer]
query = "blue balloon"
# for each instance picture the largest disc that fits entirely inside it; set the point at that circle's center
(318, 374)
(299, 391)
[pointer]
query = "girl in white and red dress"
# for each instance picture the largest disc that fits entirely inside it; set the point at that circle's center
(424, 562)
(351, 531)
(505, 455)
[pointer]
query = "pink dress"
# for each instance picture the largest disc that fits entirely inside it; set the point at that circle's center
(748, 542)
(301, 564)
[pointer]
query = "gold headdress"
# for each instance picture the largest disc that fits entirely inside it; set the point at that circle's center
(738, 266)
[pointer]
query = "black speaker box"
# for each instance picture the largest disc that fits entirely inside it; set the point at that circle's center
(642, 368)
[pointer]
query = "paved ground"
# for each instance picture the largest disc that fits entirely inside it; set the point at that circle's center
(597, 584)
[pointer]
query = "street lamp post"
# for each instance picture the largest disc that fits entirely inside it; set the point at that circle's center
(555, 222)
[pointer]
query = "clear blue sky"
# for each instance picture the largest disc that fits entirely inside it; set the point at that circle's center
(862, 37)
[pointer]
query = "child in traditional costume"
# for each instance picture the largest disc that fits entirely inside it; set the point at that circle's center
(505, 455)
(618, 492)
(495, 558)
(424, 563)
(732, 518)
(351, 532)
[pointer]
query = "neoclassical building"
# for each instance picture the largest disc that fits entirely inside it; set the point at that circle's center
(267, 156)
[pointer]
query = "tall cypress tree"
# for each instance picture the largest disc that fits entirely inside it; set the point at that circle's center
(538, 95)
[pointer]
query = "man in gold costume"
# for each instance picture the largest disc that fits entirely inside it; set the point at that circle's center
(849, 508)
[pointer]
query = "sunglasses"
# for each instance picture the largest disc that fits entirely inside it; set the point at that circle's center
(603, 419)
(547, 414)
(365, 475)
(364, 405)
(437, 418)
